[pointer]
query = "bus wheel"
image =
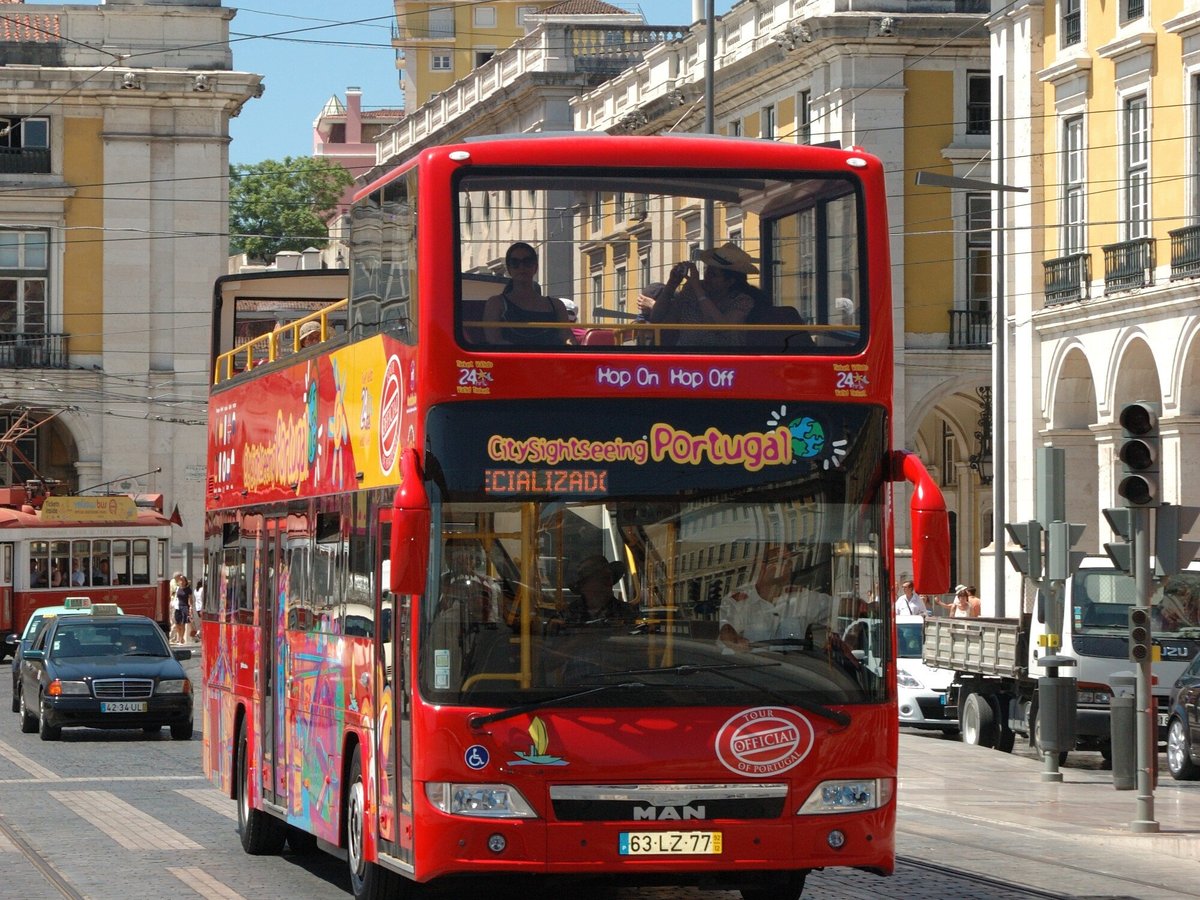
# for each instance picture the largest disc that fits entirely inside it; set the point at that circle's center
(261, 834)
(301, 842)
(978, 726)
(790, 887)
(368, 880)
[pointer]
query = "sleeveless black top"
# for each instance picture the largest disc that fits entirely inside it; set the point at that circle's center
(510, 312)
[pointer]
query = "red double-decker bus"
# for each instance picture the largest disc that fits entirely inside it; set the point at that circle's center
(496, 593)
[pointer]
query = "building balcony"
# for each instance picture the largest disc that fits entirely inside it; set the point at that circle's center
(33, 351)
(1185, 252)
(24, 161)
(1128, 265)
(1067, 278)
(970, 329)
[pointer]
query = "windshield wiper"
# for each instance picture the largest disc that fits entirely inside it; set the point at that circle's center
(481, 720)
(817, 709)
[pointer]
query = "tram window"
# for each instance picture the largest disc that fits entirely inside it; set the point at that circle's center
(6, 564)
(39, 565)
(60, 563)
(327, 564)
(101, 564)
(141, 561)
(162, 560)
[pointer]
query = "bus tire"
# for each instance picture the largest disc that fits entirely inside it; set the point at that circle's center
(301, 842)
(978, 724)
(262, 834)
(368, 880)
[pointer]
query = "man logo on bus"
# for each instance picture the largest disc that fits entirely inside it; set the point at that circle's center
(391, 397)
(764, 741)
(809, 440)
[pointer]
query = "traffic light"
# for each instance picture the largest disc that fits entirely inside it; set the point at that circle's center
(1171, 554)
(1061, 560)
(1028, 536)
(1139, 454)
(1120, 520)
(1140, 641)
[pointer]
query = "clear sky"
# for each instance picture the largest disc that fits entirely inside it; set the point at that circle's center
(309, 50)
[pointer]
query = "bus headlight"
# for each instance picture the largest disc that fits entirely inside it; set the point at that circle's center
(483, 801)
(175, 686)
(848, 796)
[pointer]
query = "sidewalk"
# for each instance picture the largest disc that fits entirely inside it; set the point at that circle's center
(990, 812)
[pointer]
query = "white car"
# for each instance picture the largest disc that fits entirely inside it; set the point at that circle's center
(921, 689)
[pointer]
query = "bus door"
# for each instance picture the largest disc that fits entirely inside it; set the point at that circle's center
(274, 686)
(393, 702)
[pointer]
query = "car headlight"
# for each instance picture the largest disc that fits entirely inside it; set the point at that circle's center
(1098, 698)
(485, 801)
(905, 680)
(848, 796)
(60, 688)
(175, 686)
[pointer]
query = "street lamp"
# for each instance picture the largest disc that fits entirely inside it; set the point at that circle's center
(999, 343)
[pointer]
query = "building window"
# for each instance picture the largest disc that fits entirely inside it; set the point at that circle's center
(1137, 168)
(644, 270)
(1072, 26)
(597, 290)
(767, 131)
(482, 56)
(441, 62)
(804, 113)
(523, 14)
(597, 211)
(441, 22)
(619, 207)
(485, 17)
(622, 288)
(979, 103)
(1132, 9)
(1074, 191)
(979, 251)
(24, 145)
(735, 128)
(24, 274)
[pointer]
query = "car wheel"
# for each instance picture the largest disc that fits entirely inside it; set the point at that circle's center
(978, 725)
(29, 722)
(262, 834)
(182, 731)
(46, 731)
(1179, 753)
(16, 697)
(1006, 738)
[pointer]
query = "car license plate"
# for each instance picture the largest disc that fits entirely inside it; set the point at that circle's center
(123, 706)
(669, 843)
(1163, 718)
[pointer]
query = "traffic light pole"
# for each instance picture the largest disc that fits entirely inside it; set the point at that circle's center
(1147, 727)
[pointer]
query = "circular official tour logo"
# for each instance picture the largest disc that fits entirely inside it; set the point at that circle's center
(391, 396)
(764, 741)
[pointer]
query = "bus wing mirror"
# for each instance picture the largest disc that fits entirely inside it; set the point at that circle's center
(410, 529)
(930, 533)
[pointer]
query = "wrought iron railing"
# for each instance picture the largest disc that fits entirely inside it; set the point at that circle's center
(1067, 278)
(24, 161)
(32, 350)
(1128, 265)
(1185, 252)
(970, 329)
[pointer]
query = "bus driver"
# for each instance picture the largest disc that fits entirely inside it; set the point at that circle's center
(756, 611)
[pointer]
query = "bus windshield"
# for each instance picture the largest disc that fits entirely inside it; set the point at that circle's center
(557, 259)
(546, 588)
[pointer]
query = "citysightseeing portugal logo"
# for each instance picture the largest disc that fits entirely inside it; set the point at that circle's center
(764, 741)
(391, 399)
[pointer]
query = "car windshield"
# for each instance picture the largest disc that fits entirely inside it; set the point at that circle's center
(908, 640)
(93, 638)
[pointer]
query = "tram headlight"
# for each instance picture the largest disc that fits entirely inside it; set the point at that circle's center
(848, 795)
(482, 801)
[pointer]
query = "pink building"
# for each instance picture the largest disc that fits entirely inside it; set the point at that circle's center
(346, 133)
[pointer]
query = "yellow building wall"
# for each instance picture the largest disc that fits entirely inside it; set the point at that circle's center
(83, 256)
(785, 120)
(930, 252)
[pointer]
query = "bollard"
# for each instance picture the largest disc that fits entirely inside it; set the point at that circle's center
(1123, 731)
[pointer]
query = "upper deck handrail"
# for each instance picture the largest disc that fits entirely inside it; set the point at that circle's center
(278, 342)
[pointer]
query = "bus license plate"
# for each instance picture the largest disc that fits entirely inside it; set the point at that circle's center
(669, 843)
(123, 706)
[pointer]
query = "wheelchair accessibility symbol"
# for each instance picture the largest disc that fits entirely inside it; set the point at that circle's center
(476, 757)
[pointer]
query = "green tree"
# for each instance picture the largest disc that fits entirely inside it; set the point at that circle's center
(283, 204)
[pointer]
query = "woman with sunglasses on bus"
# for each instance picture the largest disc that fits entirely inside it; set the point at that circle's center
(522, 301)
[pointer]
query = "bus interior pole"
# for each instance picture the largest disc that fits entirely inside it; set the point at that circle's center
(999, 397)
(1146, 726)
(710, 123)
